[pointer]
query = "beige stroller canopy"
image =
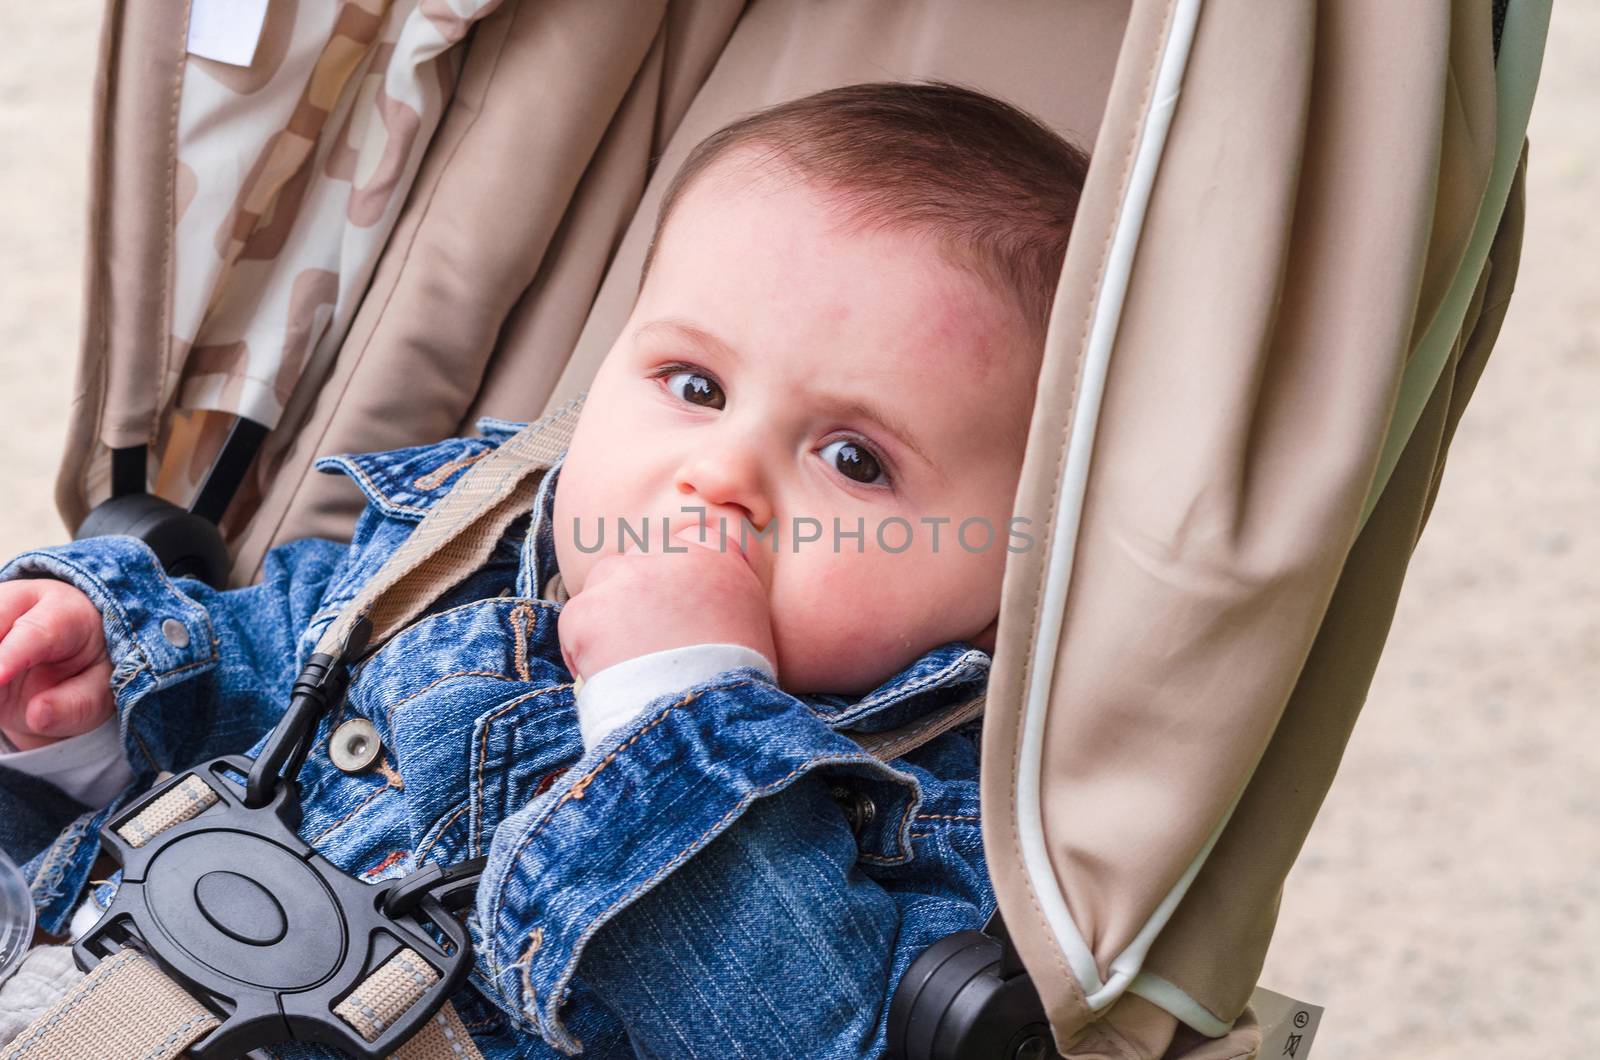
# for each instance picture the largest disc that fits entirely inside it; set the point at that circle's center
(1292, 257)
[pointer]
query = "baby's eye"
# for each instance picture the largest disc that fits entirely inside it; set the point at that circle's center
(854, 461)
(696, 389)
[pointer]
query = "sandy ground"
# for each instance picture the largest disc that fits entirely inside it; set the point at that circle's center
(1445, 903)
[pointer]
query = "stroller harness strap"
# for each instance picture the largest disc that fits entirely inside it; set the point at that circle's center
(127, 1007)
(456, 536)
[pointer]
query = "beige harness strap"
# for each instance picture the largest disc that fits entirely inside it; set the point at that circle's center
(127, 1009)
(187, 799)
(457, 535)
(893, 743)
(124, 1009)
(386, 994)
(444, 1037)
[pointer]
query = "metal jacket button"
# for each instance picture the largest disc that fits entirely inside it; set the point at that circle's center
(176, 632)
(859, 810)
(354, 745)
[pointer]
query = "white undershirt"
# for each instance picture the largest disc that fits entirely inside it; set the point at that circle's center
(89, 767)
(615, 696)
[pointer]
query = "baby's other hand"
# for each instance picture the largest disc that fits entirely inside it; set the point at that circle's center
(637, 603)
(55, 675)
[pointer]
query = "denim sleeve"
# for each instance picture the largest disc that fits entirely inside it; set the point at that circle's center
(791, 950)
(196, 672)
(697, 872)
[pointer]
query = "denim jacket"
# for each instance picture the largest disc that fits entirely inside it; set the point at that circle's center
(729, 874)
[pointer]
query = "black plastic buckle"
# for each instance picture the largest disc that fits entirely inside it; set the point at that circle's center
(262, 929)
(453, 887)
(320, 685)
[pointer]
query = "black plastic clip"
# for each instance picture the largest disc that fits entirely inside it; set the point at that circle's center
(453, 887)
(320, 685)
(265, 932)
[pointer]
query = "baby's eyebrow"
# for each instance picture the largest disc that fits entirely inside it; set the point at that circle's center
(852, 407)
(693, 333)
(856, 408)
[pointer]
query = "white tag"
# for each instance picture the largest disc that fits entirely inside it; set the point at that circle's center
(1287, 1025)
(226, 30)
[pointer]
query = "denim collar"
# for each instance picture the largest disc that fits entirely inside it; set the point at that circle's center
(539, 568)
(945, 675)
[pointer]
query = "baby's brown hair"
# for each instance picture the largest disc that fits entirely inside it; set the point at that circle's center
(994, 185)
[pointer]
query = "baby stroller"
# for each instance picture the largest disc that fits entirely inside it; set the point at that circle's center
(1293, 255)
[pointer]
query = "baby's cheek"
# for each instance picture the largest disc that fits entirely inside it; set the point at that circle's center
(840, 621)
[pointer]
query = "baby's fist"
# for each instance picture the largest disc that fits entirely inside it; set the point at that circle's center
(637, 603)
(55, 675)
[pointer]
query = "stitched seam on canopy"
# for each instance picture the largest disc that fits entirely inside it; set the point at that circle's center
(169, 237)
(1096, 292)
(96, 336)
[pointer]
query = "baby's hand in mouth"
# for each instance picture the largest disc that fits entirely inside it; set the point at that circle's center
(641, 602)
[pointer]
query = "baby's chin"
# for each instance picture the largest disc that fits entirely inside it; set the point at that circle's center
(817, 669)
(854, 662)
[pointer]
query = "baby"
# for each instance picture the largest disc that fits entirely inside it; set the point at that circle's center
(816, 412)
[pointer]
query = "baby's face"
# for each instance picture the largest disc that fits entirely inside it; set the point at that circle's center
(780, 368)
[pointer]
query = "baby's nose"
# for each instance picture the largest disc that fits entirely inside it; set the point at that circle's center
(730, 490)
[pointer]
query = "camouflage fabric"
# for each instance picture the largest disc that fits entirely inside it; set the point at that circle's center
(290, 175)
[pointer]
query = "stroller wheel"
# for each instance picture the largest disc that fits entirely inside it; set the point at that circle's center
(186, 544)
(956, 1002)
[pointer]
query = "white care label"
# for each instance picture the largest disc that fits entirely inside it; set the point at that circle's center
(1287, 1025)
(226, 30)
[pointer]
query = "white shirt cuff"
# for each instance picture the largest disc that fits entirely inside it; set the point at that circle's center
(89, 767)
(615, 696)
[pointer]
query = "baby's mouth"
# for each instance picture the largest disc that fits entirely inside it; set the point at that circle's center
(714, 538)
